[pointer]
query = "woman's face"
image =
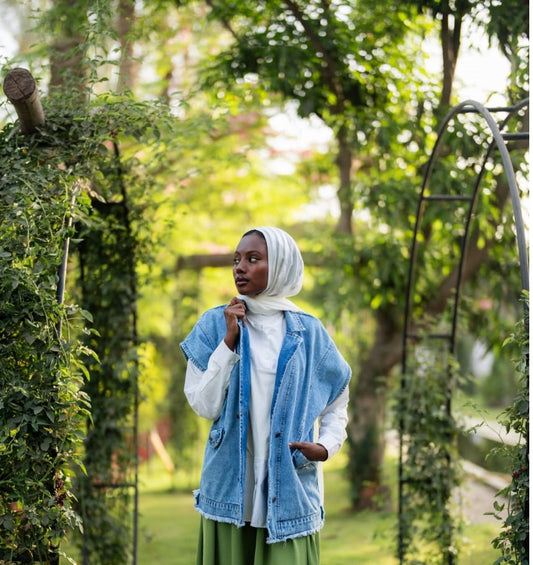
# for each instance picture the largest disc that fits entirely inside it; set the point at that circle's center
(250, 265)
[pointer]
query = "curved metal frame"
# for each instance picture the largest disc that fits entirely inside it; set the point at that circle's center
(499, 140)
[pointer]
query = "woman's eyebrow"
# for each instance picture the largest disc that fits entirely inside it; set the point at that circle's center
(249, 252)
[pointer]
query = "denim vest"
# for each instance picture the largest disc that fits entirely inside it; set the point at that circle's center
(311, 374)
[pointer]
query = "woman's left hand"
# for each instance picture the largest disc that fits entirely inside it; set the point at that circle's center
(313, 451)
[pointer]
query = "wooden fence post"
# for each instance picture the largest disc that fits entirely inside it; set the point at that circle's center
(21, 90)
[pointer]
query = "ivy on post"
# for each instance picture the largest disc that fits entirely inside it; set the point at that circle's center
(41, 403)
(430, 522)
(107, 256)
(513, 539)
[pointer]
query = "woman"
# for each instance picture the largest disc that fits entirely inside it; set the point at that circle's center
(275, 386)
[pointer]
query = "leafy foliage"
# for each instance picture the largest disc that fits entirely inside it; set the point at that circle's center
(428, 525)
(109, 249)
(70, 168)
(108, 291)
(513, 541)
(111, 242)
(42, 405)
(337, 62)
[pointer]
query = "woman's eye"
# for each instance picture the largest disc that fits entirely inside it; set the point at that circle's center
(253, 259)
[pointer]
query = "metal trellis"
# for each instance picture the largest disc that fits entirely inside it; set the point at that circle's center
(412, 330)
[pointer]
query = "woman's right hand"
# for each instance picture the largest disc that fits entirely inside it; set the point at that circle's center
(234, 311)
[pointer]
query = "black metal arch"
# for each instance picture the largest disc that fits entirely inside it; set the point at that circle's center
(499, 142)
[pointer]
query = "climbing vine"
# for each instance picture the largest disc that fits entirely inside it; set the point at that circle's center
(42, 406)
(107, 254)
(513, 540)
(108, 248)
(67, 370)
(428, 521)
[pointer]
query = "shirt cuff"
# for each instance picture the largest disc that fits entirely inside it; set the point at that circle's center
(330, 443)
(224, 356)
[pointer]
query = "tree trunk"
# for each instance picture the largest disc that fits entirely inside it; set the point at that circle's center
(68, 64)
(367, 399)
(367, 412)
(68, 68)
(344, 193)
(450, 43)
(127, 67)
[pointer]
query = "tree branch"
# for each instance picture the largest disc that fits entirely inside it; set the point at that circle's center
(200, 261)
(225, 23)
(330, 70)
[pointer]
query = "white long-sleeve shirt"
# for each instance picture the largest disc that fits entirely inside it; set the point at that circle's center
(206, 392)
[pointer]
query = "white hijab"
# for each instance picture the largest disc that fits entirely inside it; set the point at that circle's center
(285, 274)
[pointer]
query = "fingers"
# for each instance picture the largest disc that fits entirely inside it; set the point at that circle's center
(313, 451)
(236, 309)
(303, 446)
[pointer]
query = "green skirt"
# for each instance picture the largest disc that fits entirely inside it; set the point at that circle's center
(226, 544)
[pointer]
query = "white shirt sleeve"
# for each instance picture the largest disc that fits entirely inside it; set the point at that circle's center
(333, 422)
(206, 391)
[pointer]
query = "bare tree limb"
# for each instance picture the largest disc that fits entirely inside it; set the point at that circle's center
(200, 261)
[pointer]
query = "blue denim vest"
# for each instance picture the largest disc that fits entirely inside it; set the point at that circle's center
(311, 374)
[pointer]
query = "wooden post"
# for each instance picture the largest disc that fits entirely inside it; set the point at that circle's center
(21, 90)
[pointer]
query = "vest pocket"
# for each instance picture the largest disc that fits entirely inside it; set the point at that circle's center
(215, 437)
(300, 461)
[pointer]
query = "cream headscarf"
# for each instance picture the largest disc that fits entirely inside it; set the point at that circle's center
(285, 274)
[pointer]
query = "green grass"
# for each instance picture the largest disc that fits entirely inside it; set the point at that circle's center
(167, 529)
(168, 525)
